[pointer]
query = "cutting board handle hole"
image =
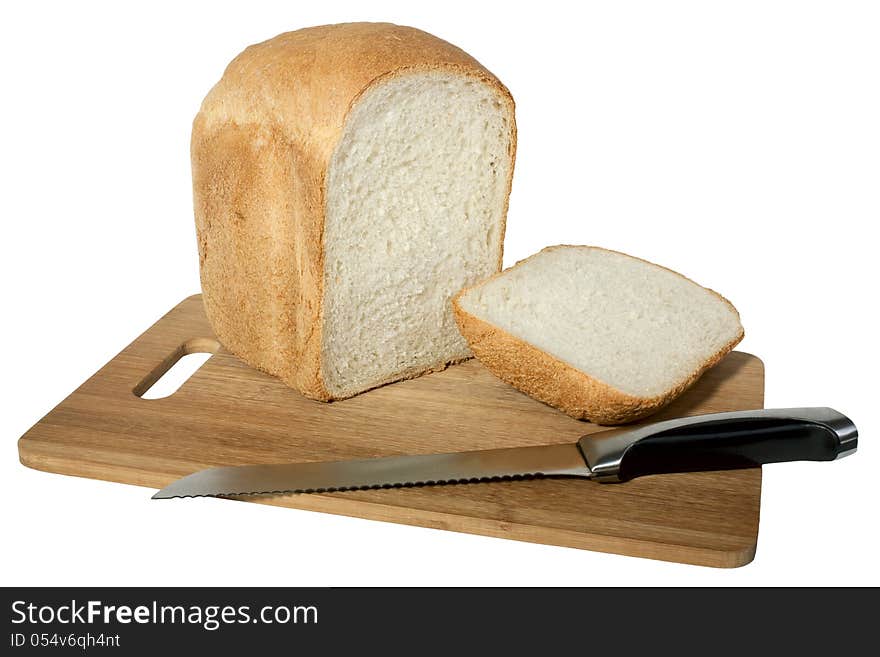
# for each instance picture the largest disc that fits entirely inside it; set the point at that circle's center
(168, 376)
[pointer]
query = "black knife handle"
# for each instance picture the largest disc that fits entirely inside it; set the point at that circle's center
(720, 441)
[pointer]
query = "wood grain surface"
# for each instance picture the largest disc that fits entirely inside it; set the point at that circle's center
(228, 413)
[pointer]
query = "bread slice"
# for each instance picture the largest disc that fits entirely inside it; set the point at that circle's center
(348, 181)
(598, 334)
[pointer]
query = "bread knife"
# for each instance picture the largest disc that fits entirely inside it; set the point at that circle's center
(718, 441)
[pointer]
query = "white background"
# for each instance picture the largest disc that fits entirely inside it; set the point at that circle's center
(738, 143)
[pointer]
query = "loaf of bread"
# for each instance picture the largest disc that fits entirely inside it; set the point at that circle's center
(348, 181)
(598, 334)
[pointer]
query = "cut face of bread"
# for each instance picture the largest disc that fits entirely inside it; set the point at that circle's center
(601, 335)
(415, 209)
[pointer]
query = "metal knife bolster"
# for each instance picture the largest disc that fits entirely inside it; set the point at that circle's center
(719, 441)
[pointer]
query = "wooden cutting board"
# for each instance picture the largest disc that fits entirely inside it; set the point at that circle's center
(228, 413)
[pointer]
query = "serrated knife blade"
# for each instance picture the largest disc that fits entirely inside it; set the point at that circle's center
(394, 471)
(704, 442)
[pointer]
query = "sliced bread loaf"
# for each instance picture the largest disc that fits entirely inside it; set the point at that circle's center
(348, 181)
(598, 334)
